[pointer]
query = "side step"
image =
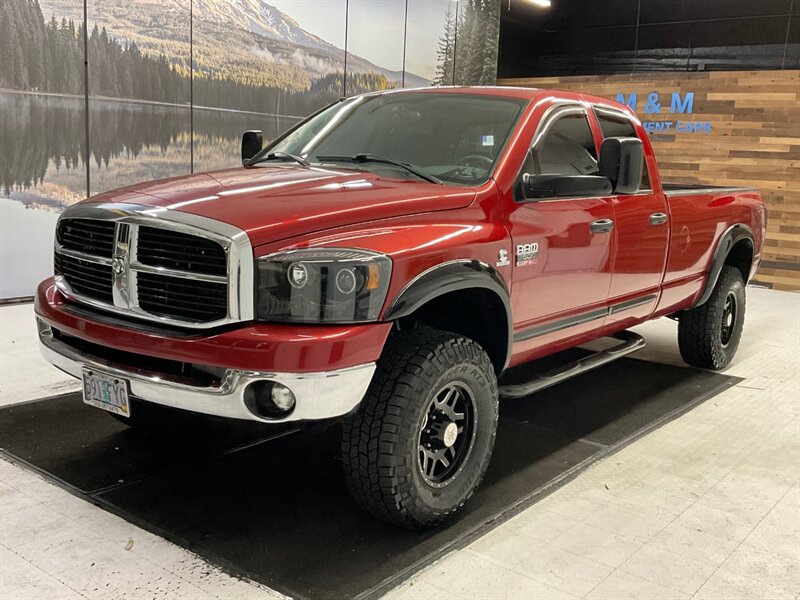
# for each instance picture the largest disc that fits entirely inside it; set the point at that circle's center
(631, 342)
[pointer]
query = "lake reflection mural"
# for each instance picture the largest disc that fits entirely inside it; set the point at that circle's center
(253, 65)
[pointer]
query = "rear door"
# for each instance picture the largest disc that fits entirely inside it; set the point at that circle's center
(561, 256)
(641, 230)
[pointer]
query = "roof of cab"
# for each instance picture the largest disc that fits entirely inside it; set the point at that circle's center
(525, 93)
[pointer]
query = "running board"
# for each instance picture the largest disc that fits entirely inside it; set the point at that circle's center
(631, 342)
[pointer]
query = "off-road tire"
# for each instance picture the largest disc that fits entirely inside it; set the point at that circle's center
(702, 330)
(381, 441)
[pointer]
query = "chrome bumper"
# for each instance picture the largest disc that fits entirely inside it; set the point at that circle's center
(318, 396)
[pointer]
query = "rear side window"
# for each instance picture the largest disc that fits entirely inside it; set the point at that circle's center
(567, 149)
(613, 126)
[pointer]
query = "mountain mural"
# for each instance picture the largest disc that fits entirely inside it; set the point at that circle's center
(246, 41)
(259, 18)
(255, 67)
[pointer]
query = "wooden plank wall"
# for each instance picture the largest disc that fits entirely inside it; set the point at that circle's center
(754, 141)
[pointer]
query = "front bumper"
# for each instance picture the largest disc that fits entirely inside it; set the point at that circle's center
(322, 395)
(327, 368)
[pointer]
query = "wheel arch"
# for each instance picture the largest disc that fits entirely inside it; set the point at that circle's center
(736, 247)
(482, 297)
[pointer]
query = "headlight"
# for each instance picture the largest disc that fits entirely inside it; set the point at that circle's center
(323, 285)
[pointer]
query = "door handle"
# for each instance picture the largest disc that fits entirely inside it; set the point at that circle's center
(658, 218)
(602, 226)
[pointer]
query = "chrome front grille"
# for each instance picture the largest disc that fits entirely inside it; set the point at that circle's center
(174, 250)
(88, 236)
(175, 268)
(86, 277)
(182, 298)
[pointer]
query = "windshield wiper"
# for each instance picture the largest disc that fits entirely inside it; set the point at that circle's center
(374, 158)
(281, 156)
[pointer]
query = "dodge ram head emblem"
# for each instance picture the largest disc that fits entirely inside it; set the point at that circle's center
(502, 258)
(118, 264)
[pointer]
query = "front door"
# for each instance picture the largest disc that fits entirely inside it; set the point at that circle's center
(562, 254)
(641, 230)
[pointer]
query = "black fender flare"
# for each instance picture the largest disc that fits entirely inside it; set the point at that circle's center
(732, 236)
(447, 277)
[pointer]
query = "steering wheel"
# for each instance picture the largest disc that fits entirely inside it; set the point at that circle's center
(480, 161)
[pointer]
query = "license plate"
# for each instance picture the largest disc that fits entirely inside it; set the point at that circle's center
(106, 391)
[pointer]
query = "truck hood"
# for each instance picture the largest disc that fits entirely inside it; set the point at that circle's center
(278, 202)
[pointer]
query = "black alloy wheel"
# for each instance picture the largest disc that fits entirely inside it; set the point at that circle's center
(728, 319)
(447, 434)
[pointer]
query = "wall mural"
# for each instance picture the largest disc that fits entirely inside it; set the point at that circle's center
(172, 86)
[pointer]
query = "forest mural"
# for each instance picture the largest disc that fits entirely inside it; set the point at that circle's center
(173, 84)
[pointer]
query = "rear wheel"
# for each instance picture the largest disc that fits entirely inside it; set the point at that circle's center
(709, 335)
(420, 443)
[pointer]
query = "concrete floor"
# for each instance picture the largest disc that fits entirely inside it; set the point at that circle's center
(706, 507)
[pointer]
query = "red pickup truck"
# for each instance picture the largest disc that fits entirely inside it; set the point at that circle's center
(382, 263)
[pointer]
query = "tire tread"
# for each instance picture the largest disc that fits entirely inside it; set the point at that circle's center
(377, 476)
(698, 328)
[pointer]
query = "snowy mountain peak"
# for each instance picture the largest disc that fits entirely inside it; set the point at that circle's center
(259, 18)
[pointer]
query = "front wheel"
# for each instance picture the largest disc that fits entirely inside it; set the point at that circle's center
(420, 443)
(709, 335)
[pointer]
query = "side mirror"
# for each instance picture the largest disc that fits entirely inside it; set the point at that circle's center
(252, 142)
(564, 186)
(622, 161)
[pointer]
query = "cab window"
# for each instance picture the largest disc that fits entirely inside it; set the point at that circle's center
(619, 126)
(567, 149)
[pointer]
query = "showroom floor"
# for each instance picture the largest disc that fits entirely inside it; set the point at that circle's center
(706, 506)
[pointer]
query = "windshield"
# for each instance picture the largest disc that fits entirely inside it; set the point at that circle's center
(455, 138)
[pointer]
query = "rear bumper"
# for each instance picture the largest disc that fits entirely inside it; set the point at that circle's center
(333, 390)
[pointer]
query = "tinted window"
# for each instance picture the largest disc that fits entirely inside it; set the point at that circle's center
(567, 149)
(455, 137)
(621, 127)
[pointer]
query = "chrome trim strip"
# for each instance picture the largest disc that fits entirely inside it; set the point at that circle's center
(100, 260)
(628, 304)
(706, 190)
(236, 243)
(320, 395)
(580, 319)
(539, 330)
(553, 114)
(142, 268)
(613, 111)
(122, 284)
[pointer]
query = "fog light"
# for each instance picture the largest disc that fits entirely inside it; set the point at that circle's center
(282, 397)
(269, 399)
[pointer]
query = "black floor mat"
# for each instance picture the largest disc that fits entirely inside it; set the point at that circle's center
(271, 503)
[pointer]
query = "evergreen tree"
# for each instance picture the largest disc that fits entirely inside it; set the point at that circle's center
(476, 43)
(445, 55)
(490, 42)
(41, 54)
(7, 41)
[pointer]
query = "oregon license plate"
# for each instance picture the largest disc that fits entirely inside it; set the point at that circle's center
(106, 391)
